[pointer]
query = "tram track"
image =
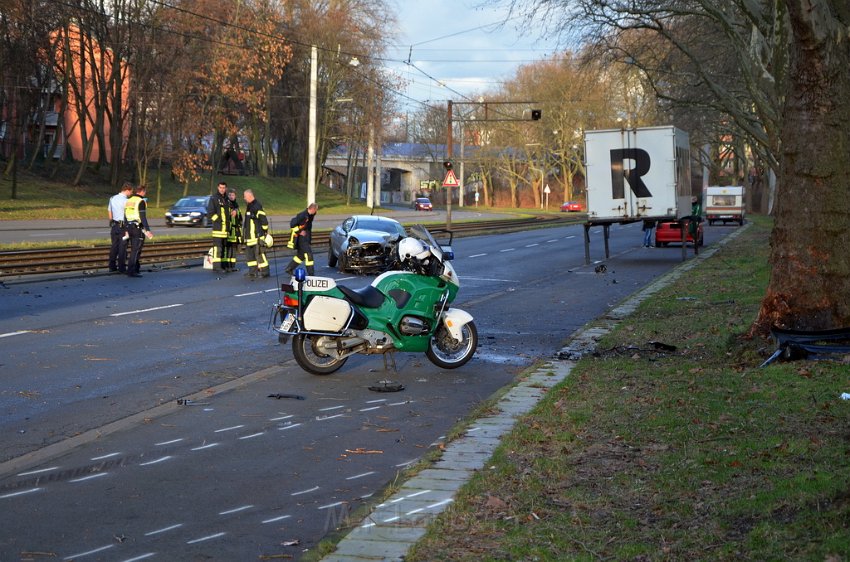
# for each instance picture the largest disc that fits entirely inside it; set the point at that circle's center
(16, 263)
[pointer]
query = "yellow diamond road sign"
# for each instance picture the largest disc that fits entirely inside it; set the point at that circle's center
(451, 180)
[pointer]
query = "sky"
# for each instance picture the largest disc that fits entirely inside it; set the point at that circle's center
(457, 50)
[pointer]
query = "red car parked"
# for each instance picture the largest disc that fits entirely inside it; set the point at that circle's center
(571, 206)
(422, 204)
(671, 232)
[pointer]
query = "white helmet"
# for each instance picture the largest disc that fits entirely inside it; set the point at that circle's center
(413, 248)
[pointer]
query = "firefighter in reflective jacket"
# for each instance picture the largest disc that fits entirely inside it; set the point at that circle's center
(257, 237)
(218, 209)
(234, 234)
(135, 214)
(301, 229)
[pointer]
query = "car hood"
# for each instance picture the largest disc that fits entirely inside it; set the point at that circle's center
(187, 209)
(367, 236)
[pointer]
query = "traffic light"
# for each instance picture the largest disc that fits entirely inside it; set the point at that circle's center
(447, 164)
(536, 114)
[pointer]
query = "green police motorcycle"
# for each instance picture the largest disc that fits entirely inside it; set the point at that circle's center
(403, 309)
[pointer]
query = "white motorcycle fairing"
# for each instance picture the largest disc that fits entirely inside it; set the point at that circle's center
(455, 319)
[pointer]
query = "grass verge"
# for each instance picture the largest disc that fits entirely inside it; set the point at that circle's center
(688, 455)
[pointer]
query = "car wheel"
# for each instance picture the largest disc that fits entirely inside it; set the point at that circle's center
(342, 263)
(331, 257)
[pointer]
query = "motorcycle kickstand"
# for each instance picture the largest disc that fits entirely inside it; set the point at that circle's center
(392, 362)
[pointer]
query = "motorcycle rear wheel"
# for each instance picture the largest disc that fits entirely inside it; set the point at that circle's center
(447, 353)
(311, 358)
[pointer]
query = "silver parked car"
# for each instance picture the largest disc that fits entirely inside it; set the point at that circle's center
(364, 243)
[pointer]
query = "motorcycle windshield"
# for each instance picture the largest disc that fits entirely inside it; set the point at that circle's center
(420, 232)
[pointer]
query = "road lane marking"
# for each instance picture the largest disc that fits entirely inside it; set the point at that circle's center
(282, 417)
(489, 279)
(161, 443)
(313, 489)
(370, 409)
(328, 417)
(95, 551)
(249, 294)
(274, 519)
(438, 504)
(90, 477)
(146, 310)
(207, 538)
(330, 505)
(31, 472)
(330, 408)
(290, 426)
(18, 333)
(533, 245)
(356, 476)
(21, 493)
(164, 530)
(231, 428)
(252, 435)
(141, 557)
(235, 510)
(400, 403)
(202, 447)
(507, 250)
(477, 255)
(100, 458)
(159, 460)
(376, 401)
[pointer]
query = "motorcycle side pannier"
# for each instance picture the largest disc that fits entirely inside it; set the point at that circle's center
(326, 314)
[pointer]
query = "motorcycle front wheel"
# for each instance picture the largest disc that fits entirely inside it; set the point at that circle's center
(446, 352)
(312, 358)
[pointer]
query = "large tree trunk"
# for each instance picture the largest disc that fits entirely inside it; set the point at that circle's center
(810, 280)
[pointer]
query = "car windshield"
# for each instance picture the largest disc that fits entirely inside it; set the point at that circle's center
(423, 200)
(381, 226)
(192, 202)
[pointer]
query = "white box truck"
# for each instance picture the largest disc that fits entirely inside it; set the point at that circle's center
(634, 174)
(724, 204)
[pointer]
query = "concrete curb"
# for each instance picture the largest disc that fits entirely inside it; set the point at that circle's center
(394, 526)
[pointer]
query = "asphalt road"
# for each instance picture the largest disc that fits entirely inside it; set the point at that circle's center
(92, 368)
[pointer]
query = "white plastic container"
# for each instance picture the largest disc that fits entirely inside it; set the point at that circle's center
(326, 314)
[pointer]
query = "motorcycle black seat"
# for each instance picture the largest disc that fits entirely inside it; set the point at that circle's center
(367, 296)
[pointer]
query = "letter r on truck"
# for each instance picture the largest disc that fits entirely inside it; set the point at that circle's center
(632, 175)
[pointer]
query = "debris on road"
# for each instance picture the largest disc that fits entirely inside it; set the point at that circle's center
(293, 396)
(387, 386)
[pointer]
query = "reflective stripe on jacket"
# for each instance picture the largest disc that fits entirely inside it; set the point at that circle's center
(256, 223)
(219, 212)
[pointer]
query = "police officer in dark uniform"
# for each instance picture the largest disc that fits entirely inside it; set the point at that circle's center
(135, 213)
(218, 209)
(118, 229)
(301, 234)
